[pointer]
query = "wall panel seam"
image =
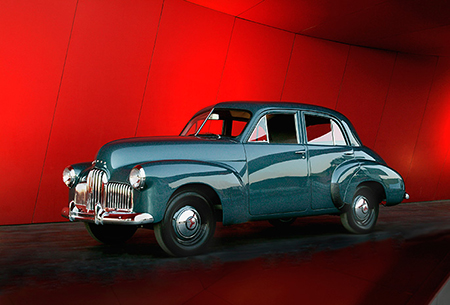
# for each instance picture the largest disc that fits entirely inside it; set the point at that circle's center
(250, 8)
(54, 110)
(149, 68)
(225, 61)
(422, 119)
(343, 77)
(288, 67)
(385, 100)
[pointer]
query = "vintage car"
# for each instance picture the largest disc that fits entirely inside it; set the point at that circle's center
(234, 162)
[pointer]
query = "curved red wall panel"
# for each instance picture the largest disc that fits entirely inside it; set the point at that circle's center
(315, 72)
(80, 73)
(257, 62)
(364, 90)
(187, 63)
(428, 174)
(34, 37)
(101, 89)
(403, 112)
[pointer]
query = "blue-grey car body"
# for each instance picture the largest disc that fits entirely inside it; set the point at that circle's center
(253, 181)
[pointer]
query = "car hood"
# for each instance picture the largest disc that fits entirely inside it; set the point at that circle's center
(127, 153)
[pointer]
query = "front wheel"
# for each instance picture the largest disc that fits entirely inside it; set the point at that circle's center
(187, 226)
(111, 234)
(362, 214)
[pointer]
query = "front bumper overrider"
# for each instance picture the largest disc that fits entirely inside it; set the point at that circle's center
(101, 216)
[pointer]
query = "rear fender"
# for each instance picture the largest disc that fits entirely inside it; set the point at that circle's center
(389, 179)
(349, 176)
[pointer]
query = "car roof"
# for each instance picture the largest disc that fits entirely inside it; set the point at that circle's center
(258, 106)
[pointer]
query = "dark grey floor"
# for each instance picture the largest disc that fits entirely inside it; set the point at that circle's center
(404, 261)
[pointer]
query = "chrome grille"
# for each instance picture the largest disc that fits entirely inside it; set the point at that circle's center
(110, 195)
(119, 196)
(96, 182)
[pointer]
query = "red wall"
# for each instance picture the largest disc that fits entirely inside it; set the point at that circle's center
(77, 74)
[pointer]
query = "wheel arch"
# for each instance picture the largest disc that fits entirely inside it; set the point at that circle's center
(382, 179)
(386, 183)
(377, 189)
(206, 191)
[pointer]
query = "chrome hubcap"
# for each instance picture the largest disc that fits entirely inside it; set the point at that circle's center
(361, 209)
(187, 223)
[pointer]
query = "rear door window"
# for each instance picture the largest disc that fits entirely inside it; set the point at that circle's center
(321, 130)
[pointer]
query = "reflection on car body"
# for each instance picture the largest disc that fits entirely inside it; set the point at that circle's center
(233, 162)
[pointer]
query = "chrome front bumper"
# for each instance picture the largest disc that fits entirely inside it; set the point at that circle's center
(101, 216)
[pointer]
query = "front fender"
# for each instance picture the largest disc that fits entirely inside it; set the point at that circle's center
(163, 178)
(81, 169)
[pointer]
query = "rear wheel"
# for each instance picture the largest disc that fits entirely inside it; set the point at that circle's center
(187, 226)
(362, 214)
(111, 234)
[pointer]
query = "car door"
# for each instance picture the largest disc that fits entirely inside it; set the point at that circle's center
(277, 166)
(327, 147)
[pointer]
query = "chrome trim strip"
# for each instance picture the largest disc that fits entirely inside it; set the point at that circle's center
(102, 217)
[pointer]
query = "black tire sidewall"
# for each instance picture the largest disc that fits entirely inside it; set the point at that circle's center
(373, 206)
(167, 233)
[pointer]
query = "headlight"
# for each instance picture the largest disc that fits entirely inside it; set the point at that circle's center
(137, 177)
(69, 176)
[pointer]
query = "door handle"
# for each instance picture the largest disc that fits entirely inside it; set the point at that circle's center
(349, 153)
(302, 153)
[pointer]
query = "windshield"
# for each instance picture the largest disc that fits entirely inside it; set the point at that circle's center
(219, 123)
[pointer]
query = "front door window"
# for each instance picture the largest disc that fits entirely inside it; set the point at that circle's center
(277, 128)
